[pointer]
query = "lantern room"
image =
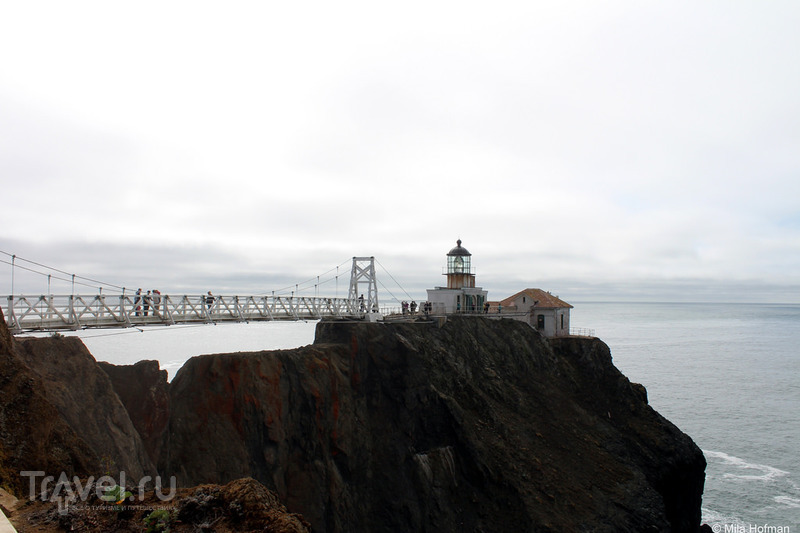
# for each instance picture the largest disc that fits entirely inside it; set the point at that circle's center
(459, 268)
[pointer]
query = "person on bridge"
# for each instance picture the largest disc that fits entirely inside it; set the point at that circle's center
(156, 301)
(137, 300)
(209, 300)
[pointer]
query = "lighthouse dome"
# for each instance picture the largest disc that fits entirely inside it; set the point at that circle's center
(458, 250)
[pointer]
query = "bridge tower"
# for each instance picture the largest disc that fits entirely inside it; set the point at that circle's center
(363, 273)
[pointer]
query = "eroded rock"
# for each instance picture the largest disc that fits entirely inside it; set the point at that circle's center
(477, 425)
(84, 396)
(143, 390)
(33, 434)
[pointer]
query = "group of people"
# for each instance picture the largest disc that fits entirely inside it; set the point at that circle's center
(363, 308)
(143, 302)
(411, 308)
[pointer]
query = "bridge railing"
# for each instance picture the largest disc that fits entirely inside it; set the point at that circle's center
(53, 312)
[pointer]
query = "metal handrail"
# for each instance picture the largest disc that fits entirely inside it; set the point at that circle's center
(58, 312)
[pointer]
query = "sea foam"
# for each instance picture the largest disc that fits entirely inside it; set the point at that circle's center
(766, 472)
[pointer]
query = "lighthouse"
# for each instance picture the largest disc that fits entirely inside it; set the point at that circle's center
(459, 268)
(460, 295)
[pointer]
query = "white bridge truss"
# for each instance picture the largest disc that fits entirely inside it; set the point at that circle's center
(48, 313)
(73, 312)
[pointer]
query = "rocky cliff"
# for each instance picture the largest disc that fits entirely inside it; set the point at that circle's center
(142, 389)
(243, 505)
(478, 425)
(33, 434)
(60, 412)
(86, 399)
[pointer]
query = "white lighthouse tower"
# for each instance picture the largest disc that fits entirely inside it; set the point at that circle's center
(461, 295)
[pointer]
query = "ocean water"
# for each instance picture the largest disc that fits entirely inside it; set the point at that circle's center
(726, 374)
(171, 346)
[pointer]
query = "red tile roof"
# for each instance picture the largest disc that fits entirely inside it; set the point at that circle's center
(544, 298)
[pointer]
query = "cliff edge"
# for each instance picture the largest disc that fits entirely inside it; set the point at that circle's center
(86, 399)
(478, 425)
(34, 436)
(61, 414)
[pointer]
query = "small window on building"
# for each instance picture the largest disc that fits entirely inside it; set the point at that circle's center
(523, 299)
(562, 321)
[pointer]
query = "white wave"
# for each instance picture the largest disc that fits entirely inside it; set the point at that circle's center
(766, 472)
(788, 501)
(710, 516)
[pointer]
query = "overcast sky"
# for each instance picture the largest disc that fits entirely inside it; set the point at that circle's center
(601, 150)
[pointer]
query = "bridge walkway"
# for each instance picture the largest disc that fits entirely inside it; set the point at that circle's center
(74, 312)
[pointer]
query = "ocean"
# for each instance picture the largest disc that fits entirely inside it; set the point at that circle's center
(725, 374)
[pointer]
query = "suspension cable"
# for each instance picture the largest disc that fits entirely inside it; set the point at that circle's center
(18, 258)
(297, 288)
(301, 286)
(390, 275)
(394, 298)
(53, 277)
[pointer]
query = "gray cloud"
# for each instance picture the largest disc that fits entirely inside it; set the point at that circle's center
(614, 151)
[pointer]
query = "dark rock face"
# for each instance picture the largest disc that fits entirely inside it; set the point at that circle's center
(479, 425)
(673, 465)
(33, 435)
(143, 390)
(47, 409)
(84, 396)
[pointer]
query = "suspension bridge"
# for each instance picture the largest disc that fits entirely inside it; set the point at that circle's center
(76, 311)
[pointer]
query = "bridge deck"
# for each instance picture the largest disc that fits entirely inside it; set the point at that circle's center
(72, 312)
